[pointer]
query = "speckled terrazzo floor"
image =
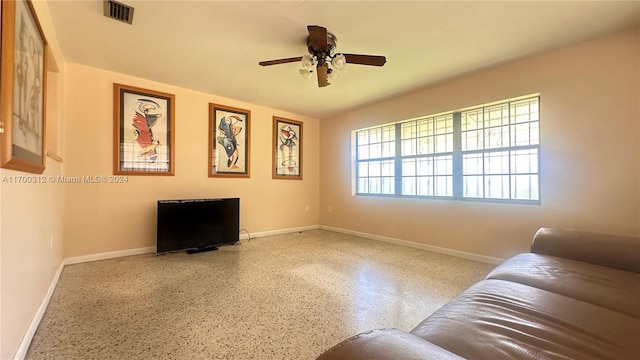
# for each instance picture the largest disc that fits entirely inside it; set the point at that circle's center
(281, 297)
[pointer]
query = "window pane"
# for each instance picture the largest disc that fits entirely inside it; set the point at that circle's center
(408, 186)
(425, 145)
(472, 164)
(444, 143)
(409, 130)
(425, 127)
(497, 137)
(472, 140)
(388, 168)
(535, 133)
(497, 186)
(363, 152)
(443, 124)
(408, 167)
(443, 165)
(534, 112)
(424, 166)
(363, 169)
(388, 150)
(497, 115)
(521, 134)
(388, 133)
(374, 185)
(443, 186)
(520, 112)
(425, 186)
(471, 120)
(375, 135)
(524, 187)
(375, 168)
(363, 185)
(388, 186)
(524, 161)
(473, 186)
(375, 151)
(363, 137)
(496, 163)
(408, 147)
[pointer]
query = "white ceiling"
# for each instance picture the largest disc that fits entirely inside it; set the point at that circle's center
(214, 46)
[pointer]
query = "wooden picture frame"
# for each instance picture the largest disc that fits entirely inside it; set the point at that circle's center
(287, 149)
(23, 88)
(229, 141)
(143, 131)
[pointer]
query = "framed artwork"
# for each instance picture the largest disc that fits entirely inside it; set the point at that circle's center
(287, 149)
(143, 131)
(23, 86)
(229, 141)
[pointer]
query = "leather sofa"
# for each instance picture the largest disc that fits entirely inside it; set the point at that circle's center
(576, 295)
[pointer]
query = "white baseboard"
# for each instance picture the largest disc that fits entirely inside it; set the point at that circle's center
(35, 322)
(436, 249)
(244, 236)
(152, 249)
(108, 255)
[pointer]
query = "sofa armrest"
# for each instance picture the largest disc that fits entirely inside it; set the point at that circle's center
(615, 251)
(387, 344)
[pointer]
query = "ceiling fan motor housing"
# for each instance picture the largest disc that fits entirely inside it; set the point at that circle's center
(332, 42)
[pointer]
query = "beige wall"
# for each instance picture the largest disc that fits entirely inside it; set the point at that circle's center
(31, 221)
(589, 146)
(110, 217)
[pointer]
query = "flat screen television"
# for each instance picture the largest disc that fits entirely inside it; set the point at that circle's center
(197, 224)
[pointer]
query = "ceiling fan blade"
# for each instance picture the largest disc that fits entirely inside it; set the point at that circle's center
(318, 35)
(322, 76)
(374, 60)
(280, 61)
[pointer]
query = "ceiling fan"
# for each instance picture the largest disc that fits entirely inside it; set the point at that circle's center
(322, 57)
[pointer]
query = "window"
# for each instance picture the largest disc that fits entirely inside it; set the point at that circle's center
(486, 152)
(376, 157)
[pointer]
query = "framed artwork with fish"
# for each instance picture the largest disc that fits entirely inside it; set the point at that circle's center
(143, 131)
(229, 141)
(23, 88)
(287, 149)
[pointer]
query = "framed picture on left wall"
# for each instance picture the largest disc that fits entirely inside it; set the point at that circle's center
(23, 87)
(143, 131)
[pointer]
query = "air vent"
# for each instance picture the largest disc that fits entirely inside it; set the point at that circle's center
(118, 11)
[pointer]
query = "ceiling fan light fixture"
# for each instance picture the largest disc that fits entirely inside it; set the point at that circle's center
(306, 74)
(338, 62)
(308, 62)
(322, 58)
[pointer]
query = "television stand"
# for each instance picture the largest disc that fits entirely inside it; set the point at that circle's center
(202, 249)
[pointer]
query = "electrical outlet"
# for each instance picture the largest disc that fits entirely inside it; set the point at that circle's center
(307, 207)
(329, 209)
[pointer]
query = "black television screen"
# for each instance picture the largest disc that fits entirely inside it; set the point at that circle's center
(197, 223)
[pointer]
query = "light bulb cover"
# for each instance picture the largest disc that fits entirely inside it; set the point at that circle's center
(306, 74)
(338, 62)
(308, 62)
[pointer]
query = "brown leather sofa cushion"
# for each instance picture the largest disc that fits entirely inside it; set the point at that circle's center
(598, 285)
(616, 251)
(497, 319)
(387, 344)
